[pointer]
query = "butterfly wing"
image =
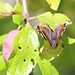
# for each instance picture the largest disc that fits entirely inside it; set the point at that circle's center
(59, 29)
(45, 31)
(49, 35)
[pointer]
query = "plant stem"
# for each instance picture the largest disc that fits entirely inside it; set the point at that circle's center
(19, 27)
(25, 12)
(31, 18)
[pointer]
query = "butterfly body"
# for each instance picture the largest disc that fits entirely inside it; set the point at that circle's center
(52, 36)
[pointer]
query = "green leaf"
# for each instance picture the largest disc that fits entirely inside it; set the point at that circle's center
(71, 40)
(58, 17)
(54, 4)
(46, 51)
(46, 67)
(64, 38)
(37, 70)
(2, 63)
(2, 37)
(17, 17)
(5, 9)
(25, 52)
(51, 19)
(47, 18)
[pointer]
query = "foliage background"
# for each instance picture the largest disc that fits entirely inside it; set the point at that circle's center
(65, 63)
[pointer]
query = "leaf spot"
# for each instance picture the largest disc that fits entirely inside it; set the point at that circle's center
(44, 49)
(19, 47)
(35, 50)
(47, 50)
(27, 47)
(24, 60)
(42, 63)
(32, 60)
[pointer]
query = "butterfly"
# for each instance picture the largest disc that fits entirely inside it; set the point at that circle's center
(52, 36)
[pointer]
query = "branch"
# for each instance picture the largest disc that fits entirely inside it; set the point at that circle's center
(25, 12)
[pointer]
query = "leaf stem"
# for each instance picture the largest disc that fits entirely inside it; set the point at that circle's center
(19, 27)
(31, 18)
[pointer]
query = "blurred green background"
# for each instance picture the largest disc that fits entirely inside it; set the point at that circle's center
(65, 63)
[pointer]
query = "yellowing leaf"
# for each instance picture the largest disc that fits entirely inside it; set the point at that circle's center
(53, 4)
(71, 41)
(5, 9)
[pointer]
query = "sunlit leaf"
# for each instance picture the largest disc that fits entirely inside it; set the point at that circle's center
(46, 67)
(17, 17)
(5, 9)
(51, 19)
(71, 41)
(46, 51)
(47, 18)
(25, 51)
(54, 4)
(58, 17)
(2, 63)
(8, 73)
